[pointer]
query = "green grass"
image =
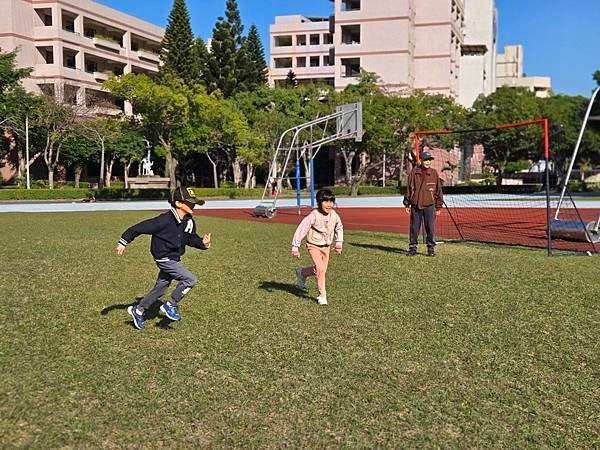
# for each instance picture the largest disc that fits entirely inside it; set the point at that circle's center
(479, 347)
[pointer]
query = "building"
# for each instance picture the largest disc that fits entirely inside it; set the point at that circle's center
(409, 44)
(509, 72)
(479, 51)
(75, 45)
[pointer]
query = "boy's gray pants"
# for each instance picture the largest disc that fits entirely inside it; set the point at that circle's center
(169, 271)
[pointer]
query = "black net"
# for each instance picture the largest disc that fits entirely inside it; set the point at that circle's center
(505, 201)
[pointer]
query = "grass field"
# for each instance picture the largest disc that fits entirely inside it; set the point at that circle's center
(480, 347)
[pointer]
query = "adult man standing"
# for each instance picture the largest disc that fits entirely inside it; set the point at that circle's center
(423, 200)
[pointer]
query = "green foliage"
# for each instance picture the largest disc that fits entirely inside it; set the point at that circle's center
(10, 75)
(78, 150)
(129, 145)
(596, 77)
(177, 50)
(517, 166)
(255, 73)
(234, 20)
(508, 105)
(221, 74)
(290, 80)
(201, 57)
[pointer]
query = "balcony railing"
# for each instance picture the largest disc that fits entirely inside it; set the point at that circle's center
(103, 42)
(147, 54)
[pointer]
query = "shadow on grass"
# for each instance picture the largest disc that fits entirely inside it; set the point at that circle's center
(150, 314)
(383, 248)
(271, 286)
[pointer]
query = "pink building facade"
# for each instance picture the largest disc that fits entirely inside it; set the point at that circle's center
(73, 46)
(409, 44)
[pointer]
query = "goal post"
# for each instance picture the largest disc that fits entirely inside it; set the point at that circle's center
(518, 210)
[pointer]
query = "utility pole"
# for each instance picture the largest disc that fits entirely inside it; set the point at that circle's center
(27, 148)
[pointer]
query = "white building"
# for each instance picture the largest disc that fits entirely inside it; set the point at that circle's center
(509, 72)
(479, 51)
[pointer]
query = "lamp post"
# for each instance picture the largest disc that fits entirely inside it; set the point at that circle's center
(27, 148)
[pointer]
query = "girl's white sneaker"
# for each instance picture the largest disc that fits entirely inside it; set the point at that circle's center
(321, 300)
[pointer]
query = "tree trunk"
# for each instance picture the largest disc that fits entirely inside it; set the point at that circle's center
(126, 173)
(249, 175)
(361, 173)
(78, 171)
(50, 178)
(101, 177)
(215, 175)
(348, 158)
(401, 169)
(109, 168)
(171, 163)
(237, 172)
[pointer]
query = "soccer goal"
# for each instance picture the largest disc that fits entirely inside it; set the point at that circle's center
(499, 193)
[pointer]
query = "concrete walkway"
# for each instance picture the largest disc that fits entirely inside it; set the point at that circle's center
(460, 201)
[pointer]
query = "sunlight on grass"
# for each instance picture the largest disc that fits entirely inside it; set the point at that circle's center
(478, 347)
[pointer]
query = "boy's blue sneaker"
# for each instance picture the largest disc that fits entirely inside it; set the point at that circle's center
(171, 311)
(138, 319)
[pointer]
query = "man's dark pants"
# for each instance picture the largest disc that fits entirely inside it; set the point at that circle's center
(417, 217)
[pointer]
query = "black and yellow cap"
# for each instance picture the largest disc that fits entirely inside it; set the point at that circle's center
(183, 193)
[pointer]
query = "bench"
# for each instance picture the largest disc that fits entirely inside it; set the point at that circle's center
(148, 183)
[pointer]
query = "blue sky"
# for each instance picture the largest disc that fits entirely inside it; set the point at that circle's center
(561, 38)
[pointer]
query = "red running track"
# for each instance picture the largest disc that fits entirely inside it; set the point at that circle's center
(511, 226)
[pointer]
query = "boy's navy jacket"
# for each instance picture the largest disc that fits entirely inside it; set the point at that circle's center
(170, 235)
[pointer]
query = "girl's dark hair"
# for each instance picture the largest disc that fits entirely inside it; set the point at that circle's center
(325, 195)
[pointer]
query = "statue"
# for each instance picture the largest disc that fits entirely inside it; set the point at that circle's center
(147, 164)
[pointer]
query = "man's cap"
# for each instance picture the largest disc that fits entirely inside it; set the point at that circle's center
(183, 193)
(426, 156)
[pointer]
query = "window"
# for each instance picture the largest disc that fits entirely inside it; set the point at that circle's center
(350, 5)
(314, 61)
(350, 67)
(70, 61)
(351, 34)
(283, 63)
(301, 61)
(44, 17)
(301, 39)
(326, 60)
(315, 39)
(327, 38)
(91, 66)
(69, 25)
(47, 54)
(283, 41)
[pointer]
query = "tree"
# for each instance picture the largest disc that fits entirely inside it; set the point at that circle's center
(234, 20)
(15, 105)
(291, 81)
(201, 56)
(164, 111)
(102, 130)
(54, 123)
(508, 105)
(221, 132)
(177, 50)
(127, 148)
(255, 74)
(221, 74)
(596, 77)
(10, 76)
(77, 152)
